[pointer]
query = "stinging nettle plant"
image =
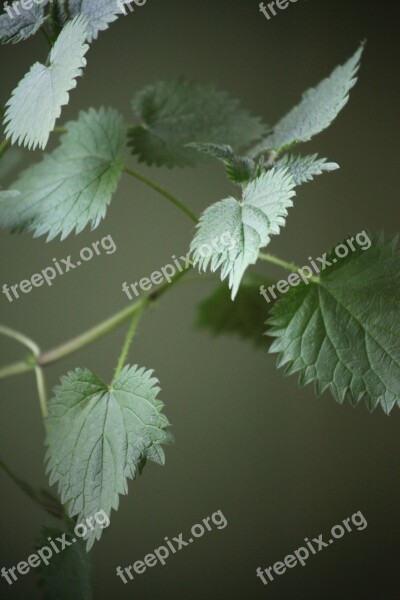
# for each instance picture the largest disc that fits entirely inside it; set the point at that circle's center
(340, 331)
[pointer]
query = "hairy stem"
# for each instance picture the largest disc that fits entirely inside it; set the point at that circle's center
(178, 203)
(128, 340)
(286, 265)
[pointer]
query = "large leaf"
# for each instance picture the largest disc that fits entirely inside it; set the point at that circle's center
(36, 102)
(99, 436)
(318, 108)
(305, 168)
(99, 13)
(178, 112)
(73, 186)
(244, 317)
(231, 233)
(343, 334)
(68, 573)
(23, 23)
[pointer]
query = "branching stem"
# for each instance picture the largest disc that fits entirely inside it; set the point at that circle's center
(285, 265)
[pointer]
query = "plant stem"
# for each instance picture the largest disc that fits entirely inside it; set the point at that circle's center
(21, 338)
(185, 209)
(4, 146)
(286, 265)
(41, 388)
(15, 369)
(128, 340)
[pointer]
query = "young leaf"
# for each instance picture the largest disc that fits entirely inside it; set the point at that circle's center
(99, 436)
(244, 317)
(318, 108)
(239, 169)
(99, 13)
(249, 225)
(73, 186)
(178, 112)
(343, 334)
(305, 168)
(23, 23)
(68, 574)
(36, 102)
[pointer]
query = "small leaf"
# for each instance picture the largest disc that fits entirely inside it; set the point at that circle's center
(343, 334)
(318, 108)
(23, 23)
(73, 186)
(305, 168)
(248, 224)
(244, 317)
(178, 112)
(99, 13)
(100, 436)
(68, 574)
(239, 169)
(36, 102)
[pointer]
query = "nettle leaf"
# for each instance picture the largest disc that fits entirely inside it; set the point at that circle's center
(23, 23)
(99, 13)
(239, 169)
(178, 112)
(100, 436)
(231, 233)
(244, 317)
(68, 574)
(305, 168)
(318, 108)
(36, 102)
(73, 186)
(343, 334)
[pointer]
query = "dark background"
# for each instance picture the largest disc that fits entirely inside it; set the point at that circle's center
(280, 463)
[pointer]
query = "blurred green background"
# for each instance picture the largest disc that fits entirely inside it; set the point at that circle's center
(280, 463)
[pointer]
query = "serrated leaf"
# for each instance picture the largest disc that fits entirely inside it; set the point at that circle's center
(99, 13)
(243, 317)
(73, 186)
(178, 112)
(305, 168)
(68, 574)
(239, 169)
(23, 23)
(248, 225)
(343, 334)
(36, 102)
(318, 108)
(100, 436)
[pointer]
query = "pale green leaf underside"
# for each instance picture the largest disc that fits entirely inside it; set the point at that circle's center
(98, 437)
(305, 168)
(178, 112)
(36, 102)
(343, 334)
(249, 225)
(99, 14)
(23, 23)
(318, 108)
(73, 186)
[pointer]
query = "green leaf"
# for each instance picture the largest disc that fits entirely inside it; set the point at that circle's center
(244, 317)
(99, 13)
(343, 334)
(178, 112)
(305, 168)
(23, 23)
(318, 108)
(248, 225)
(100, 436)
(73, 186)
(239, 169)
(36, 102)
(68, 574)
